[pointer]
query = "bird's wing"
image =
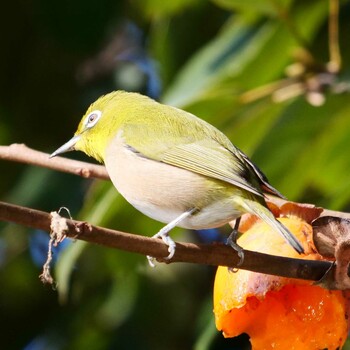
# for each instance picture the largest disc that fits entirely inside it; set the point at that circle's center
(266, 187)
(205, 157)
(212, 160)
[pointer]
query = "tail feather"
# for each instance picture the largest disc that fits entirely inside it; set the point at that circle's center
(283, 231)
(255, 208)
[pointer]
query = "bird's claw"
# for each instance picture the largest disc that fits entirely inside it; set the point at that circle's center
(231, 241)
(171, 248)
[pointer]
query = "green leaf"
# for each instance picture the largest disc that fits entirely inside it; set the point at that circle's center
(266, 7)
(225, 55)
(160, 8)
(120, 301)
(301, 144)
(245, 54)
(64, 268)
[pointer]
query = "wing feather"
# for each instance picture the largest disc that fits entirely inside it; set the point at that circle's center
(212, 160)
(197, 147)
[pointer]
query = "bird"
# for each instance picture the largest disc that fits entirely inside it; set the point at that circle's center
(173, 166)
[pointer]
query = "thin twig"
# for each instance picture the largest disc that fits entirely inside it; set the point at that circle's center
(23, 154)
(207, 254)
(284, 15)
(335, 59)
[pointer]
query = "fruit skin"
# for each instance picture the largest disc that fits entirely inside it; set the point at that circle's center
(277, 312)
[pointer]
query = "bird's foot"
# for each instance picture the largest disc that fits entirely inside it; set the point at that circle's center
(169, 242)
(232, 242)
(164, 235)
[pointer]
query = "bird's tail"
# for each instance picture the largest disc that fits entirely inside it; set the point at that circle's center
(258, 209)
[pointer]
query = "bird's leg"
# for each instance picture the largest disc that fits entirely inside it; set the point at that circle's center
(232, 241)
(164, 235)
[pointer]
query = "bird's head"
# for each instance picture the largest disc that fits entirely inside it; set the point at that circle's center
(100, 124)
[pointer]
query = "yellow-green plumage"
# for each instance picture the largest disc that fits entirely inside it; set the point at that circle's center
(167, 162)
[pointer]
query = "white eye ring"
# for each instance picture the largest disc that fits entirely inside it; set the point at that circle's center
(92, 119)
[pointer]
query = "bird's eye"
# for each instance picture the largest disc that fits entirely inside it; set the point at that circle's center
(92, 118)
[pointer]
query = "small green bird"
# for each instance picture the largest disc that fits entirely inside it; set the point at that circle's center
(173, 166)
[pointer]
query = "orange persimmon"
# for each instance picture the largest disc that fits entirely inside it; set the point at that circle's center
(279, 313)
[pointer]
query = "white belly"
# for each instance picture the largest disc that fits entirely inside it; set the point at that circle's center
(163, 192)
(215, 215)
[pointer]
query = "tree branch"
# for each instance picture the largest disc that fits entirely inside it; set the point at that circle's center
(207, 254)
(22, 154)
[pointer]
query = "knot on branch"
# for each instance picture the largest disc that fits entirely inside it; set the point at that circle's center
(83, 172)
(58, 231)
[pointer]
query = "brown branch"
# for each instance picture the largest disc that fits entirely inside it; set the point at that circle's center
(208, 254)
(22, 154)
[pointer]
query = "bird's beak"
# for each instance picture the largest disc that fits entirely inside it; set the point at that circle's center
(68, 146)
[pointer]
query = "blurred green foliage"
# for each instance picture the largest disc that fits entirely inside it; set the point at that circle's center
(57, 57)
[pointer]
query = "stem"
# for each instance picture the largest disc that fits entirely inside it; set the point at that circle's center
(335, 61)
(22, 154)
